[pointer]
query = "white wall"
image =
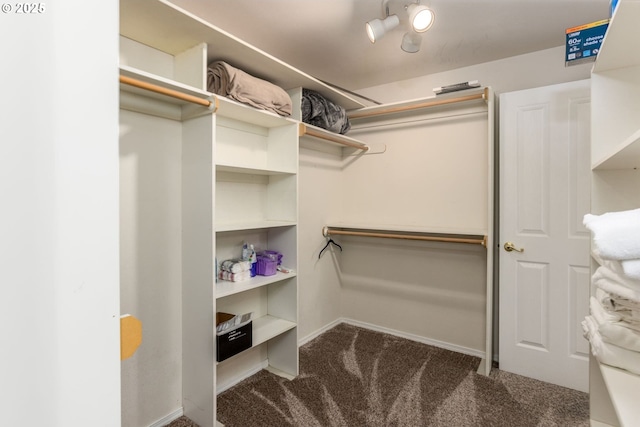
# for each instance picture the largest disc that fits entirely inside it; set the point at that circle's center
(151, 268)
(320, 200)
(59, 312)
(535, 69)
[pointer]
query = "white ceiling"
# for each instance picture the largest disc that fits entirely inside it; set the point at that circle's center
(326, 38)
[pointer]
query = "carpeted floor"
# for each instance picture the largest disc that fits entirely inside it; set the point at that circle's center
(354, 377)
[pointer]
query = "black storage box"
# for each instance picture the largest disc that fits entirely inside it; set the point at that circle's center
(233, 341)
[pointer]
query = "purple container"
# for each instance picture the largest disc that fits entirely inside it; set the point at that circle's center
(273, 255)
(266, 266)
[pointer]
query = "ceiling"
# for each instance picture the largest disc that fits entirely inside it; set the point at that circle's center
(326, 38)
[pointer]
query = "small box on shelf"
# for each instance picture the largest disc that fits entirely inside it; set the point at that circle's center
(233, 340)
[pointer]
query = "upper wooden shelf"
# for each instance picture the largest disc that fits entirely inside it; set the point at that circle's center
(617, 50)
(168, 28)
(417, 105)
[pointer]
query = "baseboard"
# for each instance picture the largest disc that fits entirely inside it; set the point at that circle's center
(319, 332)
(235, 380)
(412, 337)
(168, 418)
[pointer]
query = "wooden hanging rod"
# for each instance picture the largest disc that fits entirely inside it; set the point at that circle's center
(168, 92)
(327, 231)
(432, 103)
(328, 136)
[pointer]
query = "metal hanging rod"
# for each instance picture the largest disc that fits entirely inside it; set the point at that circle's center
(329, 136)
(432, 103)
(327, 231)
(169, 92)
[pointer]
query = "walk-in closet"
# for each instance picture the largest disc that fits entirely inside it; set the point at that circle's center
(216, 228)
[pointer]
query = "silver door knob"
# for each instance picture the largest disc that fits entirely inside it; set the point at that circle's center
(511, 247)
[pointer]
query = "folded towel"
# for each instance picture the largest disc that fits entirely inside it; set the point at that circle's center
(616, 235)
(620, 336)
(605, 274)
(612, 331)
(226, 80)
(608, 353)
(615, 288)
(234, 277)
(613, 302)
(235, 265)
(631, 268)
(600, 314)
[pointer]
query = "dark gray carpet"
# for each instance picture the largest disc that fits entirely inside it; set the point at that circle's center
(354, 377)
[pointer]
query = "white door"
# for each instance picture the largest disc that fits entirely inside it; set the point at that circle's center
(544, 193)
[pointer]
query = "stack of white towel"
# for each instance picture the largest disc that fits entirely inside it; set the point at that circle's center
(235, 270)
(613, 328)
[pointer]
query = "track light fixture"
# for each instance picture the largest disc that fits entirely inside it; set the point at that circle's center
(411, 42)
(419, 19)
(379, 27)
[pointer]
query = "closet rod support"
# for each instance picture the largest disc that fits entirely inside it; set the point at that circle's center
(170, 92)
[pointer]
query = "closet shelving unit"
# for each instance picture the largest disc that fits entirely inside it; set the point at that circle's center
(239, 183)
(615, 154)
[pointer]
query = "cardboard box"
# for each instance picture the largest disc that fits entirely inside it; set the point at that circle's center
(583, 42)
(232, 341)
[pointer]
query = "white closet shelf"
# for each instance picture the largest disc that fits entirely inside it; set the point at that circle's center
(616, 51)
(266, 328)
(624, 389)
(252, 171)
(624, 156)
(225, 288)
(255, 225)
(168, 28)
(246, 113)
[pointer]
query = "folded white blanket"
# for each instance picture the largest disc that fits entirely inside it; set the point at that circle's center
(616, 235)
(620, 336)
(613, 302)
(226, 80)
(614, 332)
(604, 273)
(600, 314)
(608, 353)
